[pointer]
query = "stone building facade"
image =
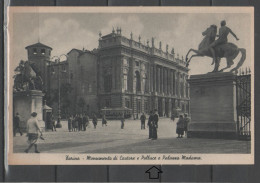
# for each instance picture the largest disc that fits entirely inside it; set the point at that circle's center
(140, 77)
(121, 72)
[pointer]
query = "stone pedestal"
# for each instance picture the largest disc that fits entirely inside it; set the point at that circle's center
(26, 102)
(212, 106)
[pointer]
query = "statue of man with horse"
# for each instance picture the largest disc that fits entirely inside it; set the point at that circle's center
(27, 77)
(220, 48)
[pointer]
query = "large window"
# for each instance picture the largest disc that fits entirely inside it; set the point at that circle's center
(125, 83)
(127, 103)
(146, 106)
(43, 51)
(108, 82)
(138, 106)
(138, 81)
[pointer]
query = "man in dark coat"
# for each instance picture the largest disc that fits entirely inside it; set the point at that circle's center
(94, 120)
(80, 122)
(53, 126)
(149, 124)
(16, 124)
(180, 127)
(104, 120)
(143, 118)
(155, 125)
(84, 121)
(122, 121)
(186, 123)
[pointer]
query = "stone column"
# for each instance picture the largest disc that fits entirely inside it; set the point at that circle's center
(170, 107)
(113, 75)
(184, 84)
(171, 82)
(154, 78)
(166, 81)
(158, 86)
(150, 78)
(176, 83)
(161, 83)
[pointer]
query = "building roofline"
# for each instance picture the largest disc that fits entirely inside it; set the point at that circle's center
(38, 45)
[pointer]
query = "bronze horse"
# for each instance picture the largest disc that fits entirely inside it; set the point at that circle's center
(229, 51)
(28, 78)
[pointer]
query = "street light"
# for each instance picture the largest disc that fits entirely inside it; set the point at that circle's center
(57, 60)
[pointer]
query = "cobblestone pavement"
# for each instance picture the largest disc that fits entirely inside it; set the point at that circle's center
(131, 139)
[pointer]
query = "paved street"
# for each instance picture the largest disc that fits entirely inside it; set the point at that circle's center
(113, 139)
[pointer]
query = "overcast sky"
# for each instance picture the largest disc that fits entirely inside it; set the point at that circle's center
(64, 31)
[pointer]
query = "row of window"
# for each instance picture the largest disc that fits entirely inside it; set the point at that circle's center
(42, 51)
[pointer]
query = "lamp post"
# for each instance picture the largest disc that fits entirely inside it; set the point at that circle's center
(57, 59)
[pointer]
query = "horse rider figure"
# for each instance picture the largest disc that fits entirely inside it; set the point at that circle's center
(222, 39)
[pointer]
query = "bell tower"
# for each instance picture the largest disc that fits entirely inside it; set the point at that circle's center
(39, 56)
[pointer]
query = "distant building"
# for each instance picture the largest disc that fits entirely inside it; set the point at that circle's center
(121, 72)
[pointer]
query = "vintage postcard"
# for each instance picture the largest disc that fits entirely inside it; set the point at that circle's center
(129, 85)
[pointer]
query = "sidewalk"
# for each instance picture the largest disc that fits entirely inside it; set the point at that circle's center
(131, 139)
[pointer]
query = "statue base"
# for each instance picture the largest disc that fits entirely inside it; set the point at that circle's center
(27, 102)
(213, 106)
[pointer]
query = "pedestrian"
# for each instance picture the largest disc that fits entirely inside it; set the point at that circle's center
(16, 124)
(94, 120)
(53, 126)
(143, 118)
(149, 124)
(80, 122)
(186, 123)
(155, 125)
(104, 120)
(87, 121)
(173, 117)
(84, 122)
(70, 123)
(32, 132)
(180, 127)
(122, 121)
(76, 126)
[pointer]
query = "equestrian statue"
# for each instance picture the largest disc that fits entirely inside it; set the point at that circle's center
(27, 77)
(219, 48)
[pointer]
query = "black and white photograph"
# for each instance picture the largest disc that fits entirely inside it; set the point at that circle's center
(130, 85)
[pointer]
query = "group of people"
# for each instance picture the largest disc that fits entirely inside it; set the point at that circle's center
(182, 125)
(152, 124)
(79, 122)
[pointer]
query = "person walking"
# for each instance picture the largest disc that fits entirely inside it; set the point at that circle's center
(186, 123)
(180, 127)
(53, 126)
(173, 117)
(76, 127)
(84, 122)
(143, 118)
(16, 124)
(80, 122)
(70, 123)
(155, 125)
(94, 120)
(122, 121)
(32, 132)
(149, 124)
(104, 120)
